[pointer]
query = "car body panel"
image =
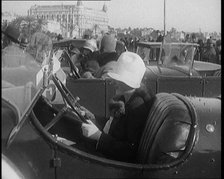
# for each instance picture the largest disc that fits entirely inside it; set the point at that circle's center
(26, 152)
(212, 87)
(203, 161)
(190, 86)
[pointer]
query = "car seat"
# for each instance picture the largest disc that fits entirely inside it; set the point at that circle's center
(166, 132)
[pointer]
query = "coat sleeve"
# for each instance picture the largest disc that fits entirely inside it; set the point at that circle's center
(115, 149)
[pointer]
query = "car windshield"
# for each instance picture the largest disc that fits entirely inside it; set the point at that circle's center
(171, 54)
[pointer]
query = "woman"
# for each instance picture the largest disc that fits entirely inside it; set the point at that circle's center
(129, 110)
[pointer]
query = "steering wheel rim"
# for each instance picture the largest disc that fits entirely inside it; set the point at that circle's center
(70, 105)
(68, 97)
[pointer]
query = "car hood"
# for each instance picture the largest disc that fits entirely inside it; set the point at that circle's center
(206, 66)
(156, 71)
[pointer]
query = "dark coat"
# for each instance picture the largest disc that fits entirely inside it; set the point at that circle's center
(209, 55)
(106, 57)
(121, 143)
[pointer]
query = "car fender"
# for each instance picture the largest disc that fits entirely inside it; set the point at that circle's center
(9, 169)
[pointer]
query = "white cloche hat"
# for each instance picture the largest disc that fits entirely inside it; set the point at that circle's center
(91, 45)
(129, 69)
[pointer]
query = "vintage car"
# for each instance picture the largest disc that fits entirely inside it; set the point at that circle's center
(42, 138)
(175, 69)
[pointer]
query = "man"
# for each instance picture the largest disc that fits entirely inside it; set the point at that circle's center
(120, 47)
(89, 46)
(129, 110)
(218, 51)
(88, 58)
(13, 55)
(108, 55)
(193, 38)
(209, 54)
(103, 60)
(107, 50)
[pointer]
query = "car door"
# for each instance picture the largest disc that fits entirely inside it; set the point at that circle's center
(211, 86)
(191, 86)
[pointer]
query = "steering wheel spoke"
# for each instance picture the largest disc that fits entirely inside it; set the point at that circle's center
(56, 118)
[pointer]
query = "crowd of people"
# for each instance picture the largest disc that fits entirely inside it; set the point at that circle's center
(209, 49)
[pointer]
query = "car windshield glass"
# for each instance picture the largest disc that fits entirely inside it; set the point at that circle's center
(177, 54)
(172, 54)
(147, 54)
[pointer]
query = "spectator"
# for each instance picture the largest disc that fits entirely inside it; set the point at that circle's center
(13, 55)
(88, 59)
(59, 37)
(107, 50)
(159, 38)
(120, 47)
(200, 49)
(193, 38)
(89, 47)
(107, 55)
(209, 53)
(218, 52)
(136, 40)
(187, 38)
(129, 109)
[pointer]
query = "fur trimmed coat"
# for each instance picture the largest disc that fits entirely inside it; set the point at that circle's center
(121, 142)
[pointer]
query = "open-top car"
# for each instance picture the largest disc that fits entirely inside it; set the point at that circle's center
(42, 139)
(172, 67)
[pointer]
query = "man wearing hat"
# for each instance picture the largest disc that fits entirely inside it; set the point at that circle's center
(89, 46)
(12, 34)
(13, 55)
(107, 50)
(108, 55)
(129, 110)
(88, 58)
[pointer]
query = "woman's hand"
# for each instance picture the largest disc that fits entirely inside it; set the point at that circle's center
(90, 130)
(87, 114)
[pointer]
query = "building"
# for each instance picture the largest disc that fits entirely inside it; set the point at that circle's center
(74, 19)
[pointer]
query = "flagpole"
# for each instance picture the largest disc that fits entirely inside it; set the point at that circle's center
(164, 33)
(164, 19)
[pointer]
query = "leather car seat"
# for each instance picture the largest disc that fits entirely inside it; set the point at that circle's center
(166, 131)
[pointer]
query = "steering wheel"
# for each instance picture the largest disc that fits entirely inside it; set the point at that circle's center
(70, 105)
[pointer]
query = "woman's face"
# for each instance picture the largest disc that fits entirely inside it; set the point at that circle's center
(121, 87)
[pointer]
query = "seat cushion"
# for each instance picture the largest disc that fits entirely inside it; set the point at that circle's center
(166, 130)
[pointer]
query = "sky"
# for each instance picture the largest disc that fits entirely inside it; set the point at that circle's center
(184, 15)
